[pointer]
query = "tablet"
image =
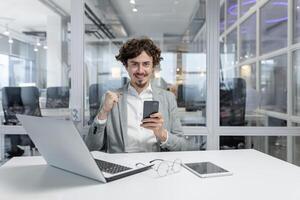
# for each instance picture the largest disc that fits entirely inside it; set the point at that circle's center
(206, 169)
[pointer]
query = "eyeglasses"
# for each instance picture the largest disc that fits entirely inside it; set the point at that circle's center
(165, 167)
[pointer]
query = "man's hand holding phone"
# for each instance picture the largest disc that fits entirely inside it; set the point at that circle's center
(155, 123)
(153, 120)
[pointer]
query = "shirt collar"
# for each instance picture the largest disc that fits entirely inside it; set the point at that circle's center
(132, 90)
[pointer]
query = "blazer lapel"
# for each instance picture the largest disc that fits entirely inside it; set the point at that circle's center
(157, 97)
(122, 105)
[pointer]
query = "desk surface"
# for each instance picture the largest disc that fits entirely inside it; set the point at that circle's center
(255, 176)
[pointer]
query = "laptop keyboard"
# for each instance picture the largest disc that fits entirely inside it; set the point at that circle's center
(109, 167)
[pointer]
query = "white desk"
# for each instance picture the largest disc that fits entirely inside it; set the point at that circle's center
(256, 176)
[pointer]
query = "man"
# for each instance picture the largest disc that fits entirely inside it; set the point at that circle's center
(119, 127)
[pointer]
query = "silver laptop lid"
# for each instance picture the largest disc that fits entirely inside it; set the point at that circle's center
(61, 145)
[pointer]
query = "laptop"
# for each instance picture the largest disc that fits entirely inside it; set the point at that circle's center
(61, 145)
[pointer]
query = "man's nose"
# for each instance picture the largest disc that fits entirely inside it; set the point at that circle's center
(140, 69)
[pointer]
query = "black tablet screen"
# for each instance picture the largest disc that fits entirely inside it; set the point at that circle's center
(205, 168)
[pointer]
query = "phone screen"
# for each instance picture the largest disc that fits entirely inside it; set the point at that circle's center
(150, 107)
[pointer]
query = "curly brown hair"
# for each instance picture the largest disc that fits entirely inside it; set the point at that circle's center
(134, 47)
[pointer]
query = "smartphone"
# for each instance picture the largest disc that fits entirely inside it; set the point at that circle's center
(150, 107)
(206, 169)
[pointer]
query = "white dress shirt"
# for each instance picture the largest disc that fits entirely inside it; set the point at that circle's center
(139, 139)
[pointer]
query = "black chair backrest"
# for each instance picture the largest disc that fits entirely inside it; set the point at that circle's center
(57, 97)
(95, 94)
(180, 96)
(20, 100)
(232, 110)
(233, 102)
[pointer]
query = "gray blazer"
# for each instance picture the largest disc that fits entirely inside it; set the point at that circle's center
(111, 136)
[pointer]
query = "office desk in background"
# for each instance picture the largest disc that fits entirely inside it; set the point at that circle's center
(61, 113)
(255, 176)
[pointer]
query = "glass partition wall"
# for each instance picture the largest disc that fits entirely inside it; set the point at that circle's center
(34, 67)
(257, 50)
(260, 50)
(180, 36)
(246, 98)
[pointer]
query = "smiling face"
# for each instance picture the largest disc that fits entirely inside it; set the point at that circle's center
(140, 70)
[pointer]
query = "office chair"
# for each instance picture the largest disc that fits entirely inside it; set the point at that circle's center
(19, 100)
(232, 110)
(57, 97)
(190, 97)
(30, 98)
(180, 96)
(12, 104)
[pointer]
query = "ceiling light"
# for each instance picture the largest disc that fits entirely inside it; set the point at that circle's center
(10, 40)
(35, 49)
(298, 7)
(132, 1)
(45, 46)
(38, 42)
(134, 9)
(202, 74)
(6, 32)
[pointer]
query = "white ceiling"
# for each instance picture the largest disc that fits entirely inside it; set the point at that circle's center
(23, 15)
(156, 17)
(64, 4)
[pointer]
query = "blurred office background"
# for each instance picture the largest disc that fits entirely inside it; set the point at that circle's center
(57, 60)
